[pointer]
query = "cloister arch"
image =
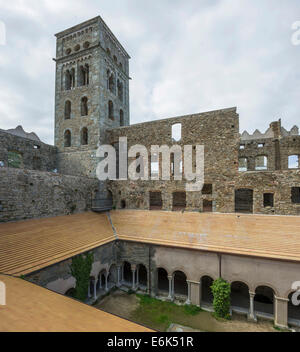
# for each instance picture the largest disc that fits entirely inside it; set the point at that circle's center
(293, 310)
(239, 296)
(162, 280)
(142, 276)
(101, 283)
(206, 292)
(180, 286)
(264, 300)
(127, 272)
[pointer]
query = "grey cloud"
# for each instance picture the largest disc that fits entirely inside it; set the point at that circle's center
(187, 57)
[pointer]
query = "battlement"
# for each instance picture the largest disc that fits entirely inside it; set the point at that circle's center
(274, 131)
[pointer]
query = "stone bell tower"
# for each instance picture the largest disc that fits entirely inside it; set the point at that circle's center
(91, 93)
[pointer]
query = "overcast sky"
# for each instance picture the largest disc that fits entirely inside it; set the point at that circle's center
(187, 57)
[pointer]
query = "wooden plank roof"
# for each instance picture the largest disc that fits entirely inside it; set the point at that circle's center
(31, 308)
(266, 236)
(27, 246)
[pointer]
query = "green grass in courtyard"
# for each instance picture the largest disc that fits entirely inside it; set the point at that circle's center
(159, 315)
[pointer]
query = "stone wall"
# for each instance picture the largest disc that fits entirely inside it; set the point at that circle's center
(278, 183)
(35, 155)
(26, 194)
(218, 131)
(277, 144)
(58, 277)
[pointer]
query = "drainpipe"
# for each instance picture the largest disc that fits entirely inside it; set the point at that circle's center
(149, 273)
(220, 265)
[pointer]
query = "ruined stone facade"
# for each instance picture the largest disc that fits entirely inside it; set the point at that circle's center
(33, 154)
(218, 131)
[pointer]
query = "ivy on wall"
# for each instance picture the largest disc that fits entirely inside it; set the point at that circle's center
(221, 292)
(80, 269)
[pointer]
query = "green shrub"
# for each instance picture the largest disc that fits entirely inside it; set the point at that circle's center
(80, 269)
(221, 303)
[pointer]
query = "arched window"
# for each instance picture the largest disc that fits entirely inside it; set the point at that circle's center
(261, 162)
(108, 51)
(84, 136)
(73, 78)
(111, 83)
(110, 110)
(243, 164)
(176, 132)
(67, 139)
(122, 118)
(293, 161)
(115, 59)
(67, 80)
(67, 110)
(120, 90)
(84, 106)
(83, 75)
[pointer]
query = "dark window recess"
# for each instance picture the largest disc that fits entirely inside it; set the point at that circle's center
(244, 201)
(269, 200)
(155, 200)
(179, 201)
(296, 195)
(207, 189)
(207, 206)
(123, 204)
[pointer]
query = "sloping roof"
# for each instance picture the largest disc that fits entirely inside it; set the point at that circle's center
(31, 245)
(27, 246)
(264, 236)
(31, 308)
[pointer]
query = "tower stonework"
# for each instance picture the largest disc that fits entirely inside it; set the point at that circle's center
(91, 93)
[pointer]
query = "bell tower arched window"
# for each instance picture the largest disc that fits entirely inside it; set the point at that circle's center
(67, 110)
(84, 106)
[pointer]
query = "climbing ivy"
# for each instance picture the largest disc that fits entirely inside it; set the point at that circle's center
(80, 269)
(221, 303)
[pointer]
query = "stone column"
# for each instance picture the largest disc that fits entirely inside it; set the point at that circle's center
(137, 277)
(281, 312)
(133, 269)
(89, 289)
(119, 276)
(106, 282)
(100, 281)
(188, 301)
(195, 293)
(148, 282)
(170, 297)
(95, 289)
(251, 314)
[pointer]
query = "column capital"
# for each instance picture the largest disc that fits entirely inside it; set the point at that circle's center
(193, 282)
(281, 299)
(133, 267)
(252, 294)
(170, 277)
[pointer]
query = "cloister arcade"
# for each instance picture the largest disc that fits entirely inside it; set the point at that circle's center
(260, 301)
